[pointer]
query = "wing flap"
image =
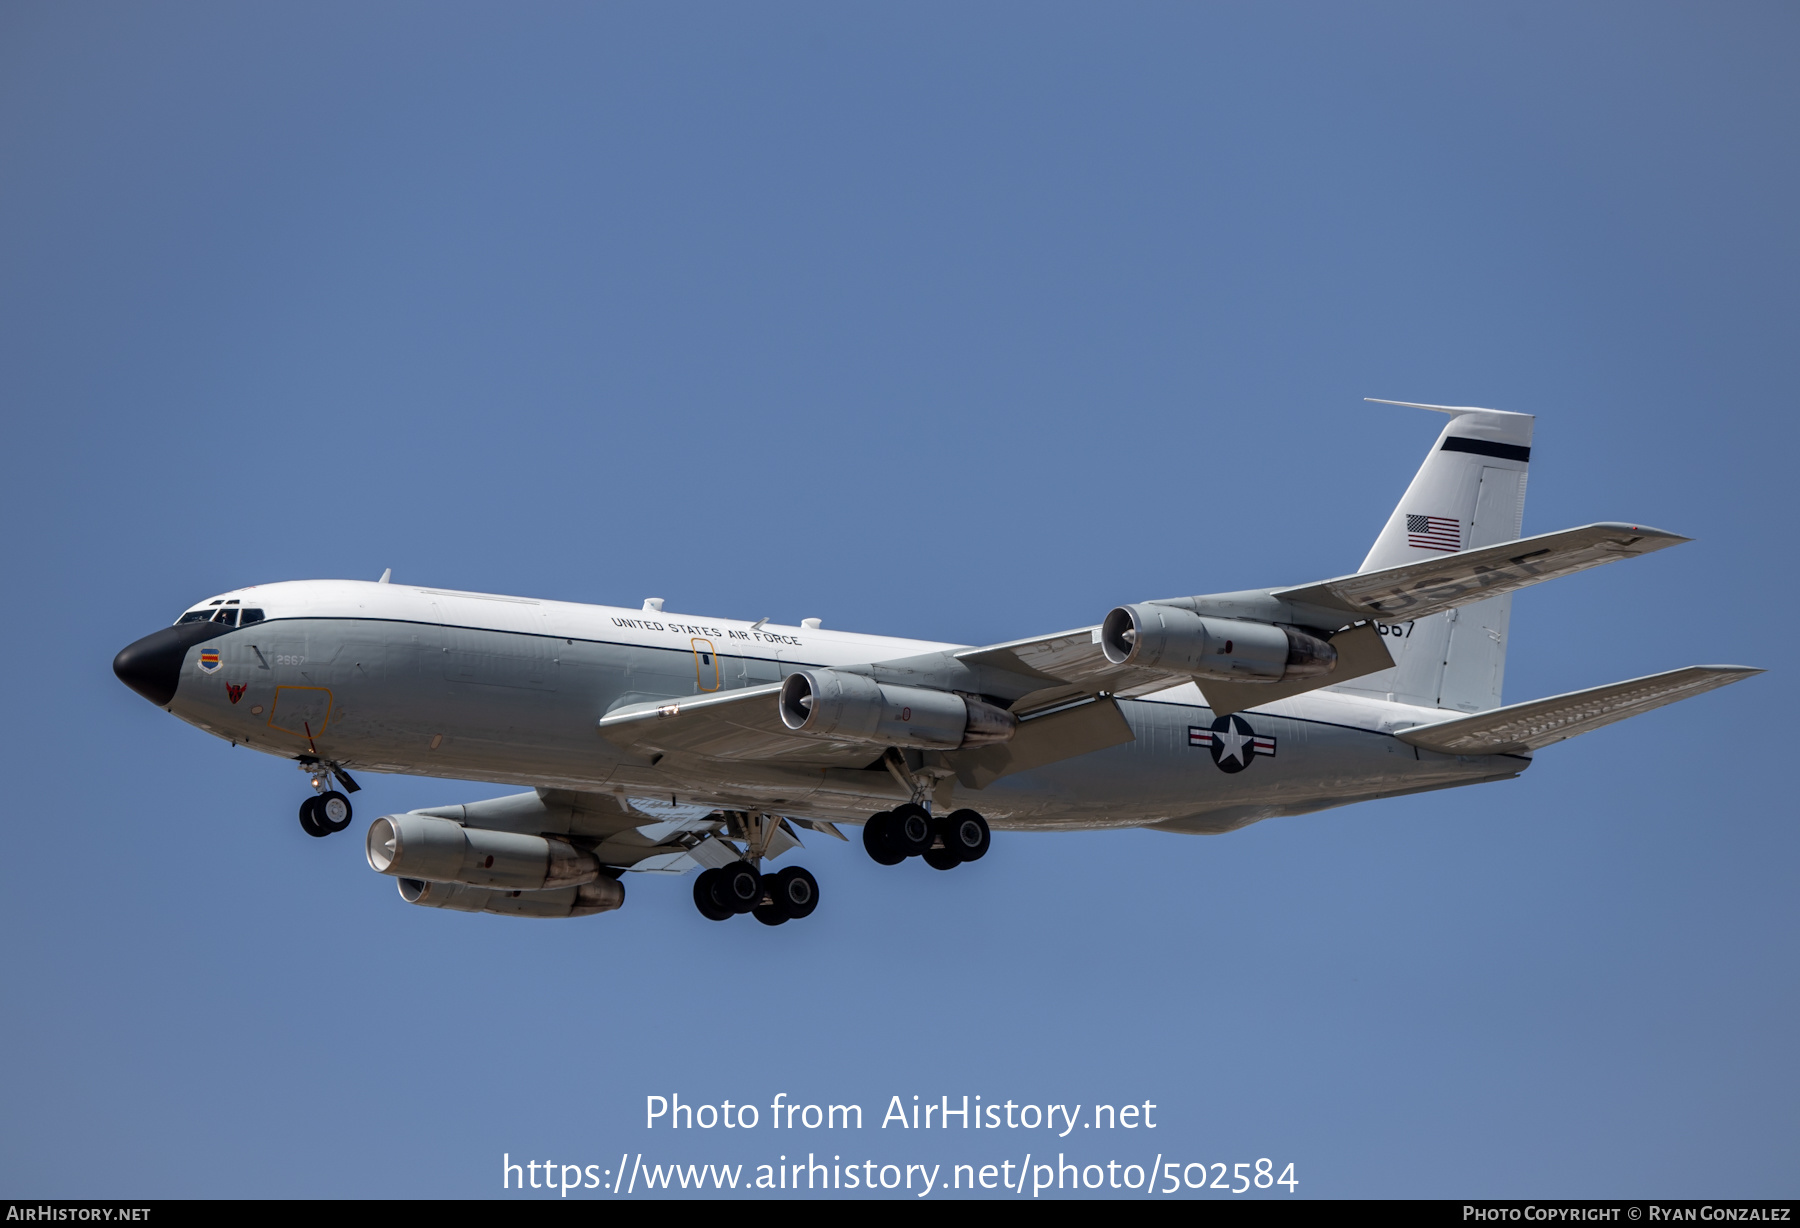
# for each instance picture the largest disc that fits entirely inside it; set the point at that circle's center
(1437, 584)
(1540, 722)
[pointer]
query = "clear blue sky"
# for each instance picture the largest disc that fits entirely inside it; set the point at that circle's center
(965, 322)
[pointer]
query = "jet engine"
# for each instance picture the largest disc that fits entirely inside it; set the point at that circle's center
(601, 895)
(1231, 649)
(829, 703)
(441, 851)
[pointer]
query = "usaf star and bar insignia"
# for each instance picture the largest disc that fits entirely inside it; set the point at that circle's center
(1232, 742)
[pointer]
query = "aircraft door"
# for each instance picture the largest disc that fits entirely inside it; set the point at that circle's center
(303, 711)
(708, 676)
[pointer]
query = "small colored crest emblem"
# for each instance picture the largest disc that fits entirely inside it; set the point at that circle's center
(235, 690)
(209, 661)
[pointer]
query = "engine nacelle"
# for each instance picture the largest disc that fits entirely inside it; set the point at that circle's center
(601, 895)
(829, 703)
(442, 851)
(1232, 649)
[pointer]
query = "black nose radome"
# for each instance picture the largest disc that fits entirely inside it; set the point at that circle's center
(152, 666)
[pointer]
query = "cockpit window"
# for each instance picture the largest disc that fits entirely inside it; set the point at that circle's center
(229, 615)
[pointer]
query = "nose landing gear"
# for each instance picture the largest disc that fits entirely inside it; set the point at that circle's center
(328, 810)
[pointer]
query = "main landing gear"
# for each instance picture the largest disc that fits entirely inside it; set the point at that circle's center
(327, 811)
(912, 831)
(723, 892)
(773, 899)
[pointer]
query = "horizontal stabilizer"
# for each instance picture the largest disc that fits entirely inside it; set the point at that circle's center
(1528, 726)
(1430, 586)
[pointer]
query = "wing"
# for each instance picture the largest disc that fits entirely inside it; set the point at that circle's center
(1528, 726)
(1071, 666)
(1442, 583)
(747, 725)
(1068, 666)
(743, 724)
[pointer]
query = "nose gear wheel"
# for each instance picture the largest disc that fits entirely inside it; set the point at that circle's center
(328, 810)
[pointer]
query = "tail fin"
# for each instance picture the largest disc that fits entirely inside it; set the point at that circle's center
(1470, 492)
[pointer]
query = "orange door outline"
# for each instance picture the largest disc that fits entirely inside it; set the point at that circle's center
(706, 665)
(275, 711)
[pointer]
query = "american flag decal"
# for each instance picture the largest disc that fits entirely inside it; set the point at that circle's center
(1434, 533)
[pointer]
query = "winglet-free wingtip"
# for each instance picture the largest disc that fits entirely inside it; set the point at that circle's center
(1662, 536)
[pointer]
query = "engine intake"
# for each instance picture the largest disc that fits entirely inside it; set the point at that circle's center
(1232, 649)
(601, 895)
(829, 703)
(441, 851)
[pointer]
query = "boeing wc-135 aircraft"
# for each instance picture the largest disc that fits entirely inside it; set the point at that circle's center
(653, 741)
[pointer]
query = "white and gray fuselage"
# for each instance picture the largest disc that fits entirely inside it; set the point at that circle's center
(398, 679)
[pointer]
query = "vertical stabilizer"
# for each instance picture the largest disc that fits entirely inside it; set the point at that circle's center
(1470, 492)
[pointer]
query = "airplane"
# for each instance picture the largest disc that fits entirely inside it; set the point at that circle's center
(658, 742)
